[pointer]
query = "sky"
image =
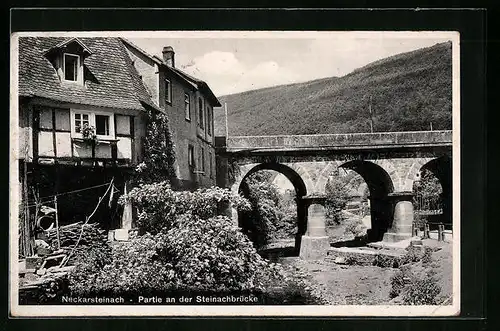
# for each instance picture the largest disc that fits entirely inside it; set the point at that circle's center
(241, 61)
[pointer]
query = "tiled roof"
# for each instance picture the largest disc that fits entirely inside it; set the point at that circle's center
(201, 85)
(111, 79)
(193, 81)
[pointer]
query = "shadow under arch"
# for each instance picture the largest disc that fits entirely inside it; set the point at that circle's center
(380, 186)
(300, 191)
(441, 167)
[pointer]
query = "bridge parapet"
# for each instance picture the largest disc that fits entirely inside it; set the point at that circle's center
(340, 141)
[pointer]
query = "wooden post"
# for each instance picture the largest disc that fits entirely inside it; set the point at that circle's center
(57, 223)
(426, 231)
(440, 232)
(29, 248)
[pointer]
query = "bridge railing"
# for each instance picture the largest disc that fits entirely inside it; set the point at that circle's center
(348, 140)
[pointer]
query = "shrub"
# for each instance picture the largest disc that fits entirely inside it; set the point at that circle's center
(194, 255)
(159, 206)
(422, 291)
(399, 280)
(413, 254)
(385, 261)
(416, 288)
(427, 256)
(210, 255)
(354, 226)
(192, 250)
(279, 284)
(132, 267)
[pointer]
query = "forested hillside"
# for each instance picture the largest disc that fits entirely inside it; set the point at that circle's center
(407, 92)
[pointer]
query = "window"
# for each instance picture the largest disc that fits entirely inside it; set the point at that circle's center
(80, 121)
(202, 159)
(210, 164)
(168, 91)
(190, 155)
(187, 107)
(200, 112)
(70, 67)
(209, 121)
(103, 123)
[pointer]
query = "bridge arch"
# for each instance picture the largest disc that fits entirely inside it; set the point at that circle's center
(441, 168)
(380, 186)
(295, 176)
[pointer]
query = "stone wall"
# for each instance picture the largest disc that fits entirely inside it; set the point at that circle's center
(351, 140)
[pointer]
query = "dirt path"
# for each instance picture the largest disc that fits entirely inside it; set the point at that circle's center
(348, 285)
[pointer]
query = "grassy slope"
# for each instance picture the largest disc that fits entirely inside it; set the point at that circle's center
(408, 91)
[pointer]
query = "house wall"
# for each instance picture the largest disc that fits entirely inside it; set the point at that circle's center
(186, 132)
(25, 131)
(148, 70)
(128, 146)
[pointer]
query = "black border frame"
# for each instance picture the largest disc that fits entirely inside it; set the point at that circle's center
(471, 23)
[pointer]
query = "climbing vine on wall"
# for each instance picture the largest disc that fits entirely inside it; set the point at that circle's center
(158, 153)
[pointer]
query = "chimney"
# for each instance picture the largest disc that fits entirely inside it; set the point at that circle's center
(168, 56)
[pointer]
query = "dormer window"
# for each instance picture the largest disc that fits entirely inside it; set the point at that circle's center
(68, 59)
(71, 67)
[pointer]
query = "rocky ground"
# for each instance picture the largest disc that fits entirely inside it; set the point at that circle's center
(370, 285)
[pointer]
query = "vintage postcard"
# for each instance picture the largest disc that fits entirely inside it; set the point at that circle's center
(235, 173)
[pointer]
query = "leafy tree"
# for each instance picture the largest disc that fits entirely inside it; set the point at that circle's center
(429, 185)
(158, 152)
(427, 191)
(337, 198)
(273, 215)
(260, 222)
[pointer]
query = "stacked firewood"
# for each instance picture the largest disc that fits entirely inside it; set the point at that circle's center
(70, 233)
(92, 236)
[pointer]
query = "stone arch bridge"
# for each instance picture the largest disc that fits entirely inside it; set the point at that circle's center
(389, 163)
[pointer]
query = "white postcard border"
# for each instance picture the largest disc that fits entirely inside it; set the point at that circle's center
(17, 310)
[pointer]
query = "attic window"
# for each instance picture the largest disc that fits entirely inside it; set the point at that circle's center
(70, 67)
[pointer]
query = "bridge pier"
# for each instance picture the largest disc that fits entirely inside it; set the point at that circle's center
(403, 217)
(314, 243)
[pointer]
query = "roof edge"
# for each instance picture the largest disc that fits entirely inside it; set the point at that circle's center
(70, 40)
(140, 50)
(188, 78)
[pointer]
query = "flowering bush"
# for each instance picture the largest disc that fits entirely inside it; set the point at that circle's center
(210, 254)
(195, 255)
(190, 249)
(159, 206)
(130, 268)
(88, 133)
